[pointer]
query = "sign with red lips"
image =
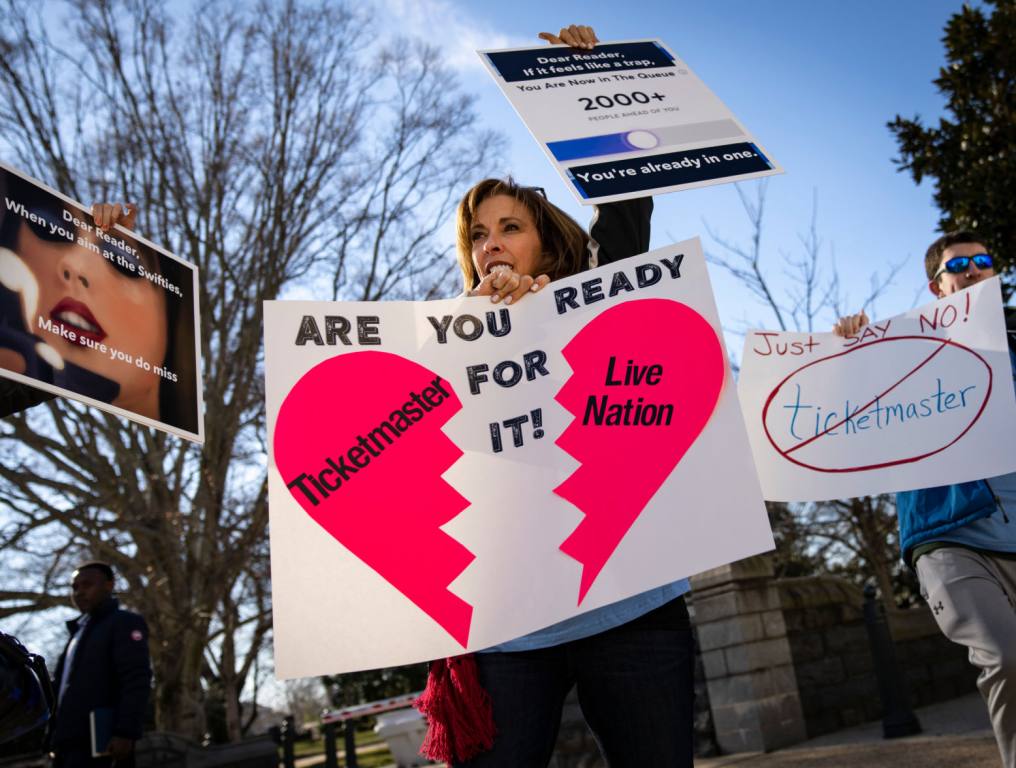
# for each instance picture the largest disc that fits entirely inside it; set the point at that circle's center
(106, 318)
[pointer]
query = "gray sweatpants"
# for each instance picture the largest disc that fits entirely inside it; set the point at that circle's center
(973, 598)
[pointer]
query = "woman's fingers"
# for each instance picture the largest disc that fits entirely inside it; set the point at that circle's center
(525, 284)
(505, 283)
(482, 289)
(108, 215)
(576, 35)
(485, 287)
(508, 286)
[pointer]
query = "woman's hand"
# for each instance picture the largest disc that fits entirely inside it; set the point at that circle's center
(577, 36)
(108, 215)
(505, 283)
(851, 324)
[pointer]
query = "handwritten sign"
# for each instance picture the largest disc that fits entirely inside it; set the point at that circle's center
(922, 399)
(448, 475)
(626, 119)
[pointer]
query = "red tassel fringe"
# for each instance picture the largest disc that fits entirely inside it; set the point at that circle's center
(460, 719)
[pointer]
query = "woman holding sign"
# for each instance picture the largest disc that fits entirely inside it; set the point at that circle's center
(632, 661)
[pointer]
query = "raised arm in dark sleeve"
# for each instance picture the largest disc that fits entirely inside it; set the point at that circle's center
(620, 230)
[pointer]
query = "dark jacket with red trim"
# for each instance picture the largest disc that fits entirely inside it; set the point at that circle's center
(111, 668)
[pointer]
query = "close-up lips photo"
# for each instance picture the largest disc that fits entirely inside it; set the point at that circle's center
(75, 316)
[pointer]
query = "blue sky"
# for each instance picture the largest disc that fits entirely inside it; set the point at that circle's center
(815, 82)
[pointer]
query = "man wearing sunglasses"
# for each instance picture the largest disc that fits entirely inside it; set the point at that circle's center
(957, 266)
(961, 539)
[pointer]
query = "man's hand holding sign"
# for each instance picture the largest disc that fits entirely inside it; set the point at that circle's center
(883, 406)
(961, 537)
(577, 36)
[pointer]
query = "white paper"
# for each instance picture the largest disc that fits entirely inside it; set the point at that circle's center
(335, 613)
(920, 400)
(626, 120)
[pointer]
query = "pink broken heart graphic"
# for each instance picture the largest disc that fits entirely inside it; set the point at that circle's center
(646, 377)
(358, 442)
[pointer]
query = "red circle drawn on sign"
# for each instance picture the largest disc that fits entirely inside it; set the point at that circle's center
(942, 344)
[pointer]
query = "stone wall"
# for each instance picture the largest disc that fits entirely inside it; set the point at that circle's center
(937, 670)
(783, 660)
(747, 659)
(832, 657)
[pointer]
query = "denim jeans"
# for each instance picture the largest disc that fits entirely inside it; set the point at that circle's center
(635, 686)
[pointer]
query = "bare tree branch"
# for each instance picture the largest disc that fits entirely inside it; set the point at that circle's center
(272, 146)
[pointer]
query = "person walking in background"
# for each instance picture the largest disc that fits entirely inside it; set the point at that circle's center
(103, 676)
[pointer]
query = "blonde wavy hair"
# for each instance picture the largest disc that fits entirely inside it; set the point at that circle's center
(564, 242)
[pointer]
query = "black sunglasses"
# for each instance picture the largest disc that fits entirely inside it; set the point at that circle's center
(48, 224)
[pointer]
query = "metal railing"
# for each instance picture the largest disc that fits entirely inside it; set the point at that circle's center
(346, 719)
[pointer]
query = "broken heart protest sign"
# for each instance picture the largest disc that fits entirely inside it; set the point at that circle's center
(448, 475)
(919, 400)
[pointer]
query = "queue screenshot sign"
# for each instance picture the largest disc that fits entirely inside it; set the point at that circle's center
(626, 119)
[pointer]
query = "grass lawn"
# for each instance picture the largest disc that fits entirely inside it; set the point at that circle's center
(304, 747)
(369, 760)
(364, 738)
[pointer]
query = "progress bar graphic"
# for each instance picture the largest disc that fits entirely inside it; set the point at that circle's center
(641, 140)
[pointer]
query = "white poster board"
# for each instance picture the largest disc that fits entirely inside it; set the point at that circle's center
(920, 400)
(448, 475)
(106, 318)
(626, 119)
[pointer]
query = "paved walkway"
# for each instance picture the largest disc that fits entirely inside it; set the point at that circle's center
(956, 733)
